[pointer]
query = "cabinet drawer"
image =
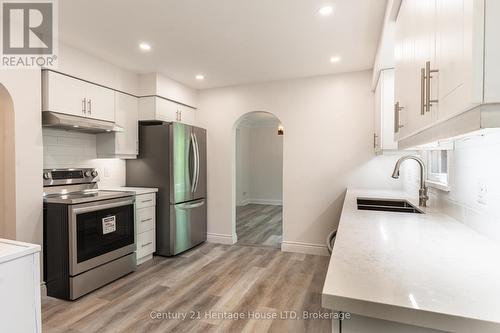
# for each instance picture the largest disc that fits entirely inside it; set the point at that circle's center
(146, 219)
(146, 243)
(145, 200)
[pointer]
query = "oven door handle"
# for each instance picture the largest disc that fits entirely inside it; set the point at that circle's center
(98, 205)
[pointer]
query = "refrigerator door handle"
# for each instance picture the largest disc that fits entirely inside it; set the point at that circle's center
(191, 205)
(192, 177)
(197, 153)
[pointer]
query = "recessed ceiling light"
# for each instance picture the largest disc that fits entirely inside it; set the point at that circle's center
(334, 59)
(199, 77)
(326, 10)
(145, 46)
(76, 126)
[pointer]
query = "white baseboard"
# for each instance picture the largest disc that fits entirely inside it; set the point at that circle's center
(270, 202)
(221, 238)
(305, 248)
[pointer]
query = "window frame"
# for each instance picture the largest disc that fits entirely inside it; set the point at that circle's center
(440, 181)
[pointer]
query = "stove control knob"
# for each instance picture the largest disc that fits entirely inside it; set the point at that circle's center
(86, 174)
(46, 175)
(94, 173)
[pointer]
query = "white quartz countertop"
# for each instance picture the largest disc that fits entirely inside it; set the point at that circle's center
(420, 269)
(10, 250)
(136, 190)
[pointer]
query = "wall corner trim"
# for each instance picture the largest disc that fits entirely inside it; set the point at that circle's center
(305, 248)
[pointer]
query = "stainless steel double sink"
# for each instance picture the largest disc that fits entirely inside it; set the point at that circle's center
(387, 205)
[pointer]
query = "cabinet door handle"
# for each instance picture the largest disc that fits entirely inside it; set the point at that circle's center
(89, 103)
(422, 91)
(375, 140)
(84, 106)
(428, 78)
(180, 115)
(397, 116)
(148, 243)
(147, 220)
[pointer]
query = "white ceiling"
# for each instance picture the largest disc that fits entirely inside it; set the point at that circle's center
(228, 41)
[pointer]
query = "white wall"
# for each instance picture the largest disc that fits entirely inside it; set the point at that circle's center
(75, 62)
(259, 172)
(243, 166)
(4, 97)
(65, 149)
(24, 87)
(7, 166)
(327, 147)
(475, 164)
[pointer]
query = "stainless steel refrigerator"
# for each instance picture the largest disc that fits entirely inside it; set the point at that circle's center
(172, 157)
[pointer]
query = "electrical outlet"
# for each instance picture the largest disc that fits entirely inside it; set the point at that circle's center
(482, 193)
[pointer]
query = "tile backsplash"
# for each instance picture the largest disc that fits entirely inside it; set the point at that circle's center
(65, 149)
(474, 195)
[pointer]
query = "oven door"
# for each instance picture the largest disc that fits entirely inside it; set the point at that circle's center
(100, 232)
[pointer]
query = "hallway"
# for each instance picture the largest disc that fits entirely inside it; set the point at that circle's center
(259, 225)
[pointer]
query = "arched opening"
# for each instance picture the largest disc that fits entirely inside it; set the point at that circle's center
(7, 166)
(258, 180)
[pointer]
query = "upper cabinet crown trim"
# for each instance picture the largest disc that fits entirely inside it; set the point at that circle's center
(117, 90)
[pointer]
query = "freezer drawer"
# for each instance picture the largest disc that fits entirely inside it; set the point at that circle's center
(188, 225)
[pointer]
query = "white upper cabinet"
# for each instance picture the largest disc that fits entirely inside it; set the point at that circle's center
(122, 144)
(383, 138)
(157, 108)
(64, 94)
(186, 115)
(459, 56)
(100, 102)
(447, 63)
(415, 46)
(166, 110)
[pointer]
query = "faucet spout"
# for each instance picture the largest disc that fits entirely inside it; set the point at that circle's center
(423, 192)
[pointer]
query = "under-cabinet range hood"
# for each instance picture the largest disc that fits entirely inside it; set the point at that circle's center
(80, 124)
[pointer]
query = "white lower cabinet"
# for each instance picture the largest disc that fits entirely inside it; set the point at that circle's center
(145, 216)
(361, 324)
(20, 300)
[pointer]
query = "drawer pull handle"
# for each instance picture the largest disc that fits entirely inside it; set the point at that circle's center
(146, 220)
(144, 245)
(144, 201)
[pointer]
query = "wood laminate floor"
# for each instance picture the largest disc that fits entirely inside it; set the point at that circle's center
(259, 225)
(211, 285)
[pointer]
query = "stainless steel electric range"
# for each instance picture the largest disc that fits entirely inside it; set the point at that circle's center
(89, 237)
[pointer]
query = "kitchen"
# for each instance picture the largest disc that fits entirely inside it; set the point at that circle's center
(410, 253)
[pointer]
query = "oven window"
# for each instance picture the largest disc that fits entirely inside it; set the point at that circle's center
(104, 231)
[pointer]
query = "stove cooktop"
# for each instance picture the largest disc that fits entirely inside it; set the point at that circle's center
(85, 196)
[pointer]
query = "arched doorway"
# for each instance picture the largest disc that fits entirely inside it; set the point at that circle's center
(7, 166)
(258, 180)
